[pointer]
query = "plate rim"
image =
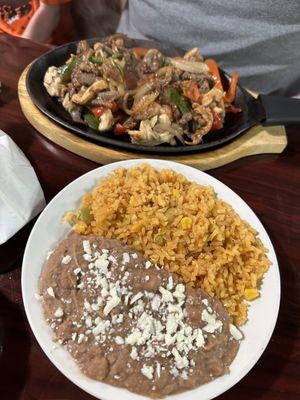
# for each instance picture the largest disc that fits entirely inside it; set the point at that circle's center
(69, 375)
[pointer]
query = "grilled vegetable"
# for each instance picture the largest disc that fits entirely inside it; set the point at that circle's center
(67, 70)
(91, 120)
(175, 98)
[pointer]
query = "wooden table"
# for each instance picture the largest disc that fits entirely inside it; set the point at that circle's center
(269, 184)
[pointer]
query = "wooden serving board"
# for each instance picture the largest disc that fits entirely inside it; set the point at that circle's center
(257, 140)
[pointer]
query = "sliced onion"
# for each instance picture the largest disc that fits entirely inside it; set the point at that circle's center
(194, 67)
(141, 91)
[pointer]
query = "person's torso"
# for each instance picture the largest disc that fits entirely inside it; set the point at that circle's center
(260, 38)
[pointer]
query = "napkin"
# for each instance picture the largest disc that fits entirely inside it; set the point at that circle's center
(21, 195)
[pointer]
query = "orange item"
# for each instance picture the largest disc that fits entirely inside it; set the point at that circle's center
(192, 92)
(18, 25)
(214, 70)
(140, 51)
(230, 95)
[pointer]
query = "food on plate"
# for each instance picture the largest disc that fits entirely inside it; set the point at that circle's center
(142, 93)
(131, 324)
(181, 226)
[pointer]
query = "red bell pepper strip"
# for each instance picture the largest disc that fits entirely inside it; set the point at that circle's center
(230, 95)
(214, 70)
(120, 129)
(98, 111)
(233, 110)
(217, 123)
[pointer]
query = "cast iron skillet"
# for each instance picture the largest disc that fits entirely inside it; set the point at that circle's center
(269, 110)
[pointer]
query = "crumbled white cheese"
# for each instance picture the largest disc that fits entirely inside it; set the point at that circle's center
(101, 327)
(179, 292)
(112, 259)
(198, 335)
(212, 323)
(134, 337)
(95, 306)
(102, 264)
(58, 313)
(205, 302)
(147, 371)
(172, 324)
(50, 291)
(155, 303)
(112, 302)
(136, 297)
(134, 255)
(133, 353)
(81, 338)
(158, 368)
(66, 259)
(181, 362)
(235, 332)
(103, 283)
(174, 371)
(126, 258)
(119, 340)
(104, 292)
(147, 264)
(166, 294)
(87, 246)
(87, 306)
(184, 375)
(120, 318)
(77, 271)
(73, 336)
(170, 284)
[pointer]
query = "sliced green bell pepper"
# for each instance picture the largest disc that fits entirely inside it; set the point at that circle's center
(175, 98)
(91, 120)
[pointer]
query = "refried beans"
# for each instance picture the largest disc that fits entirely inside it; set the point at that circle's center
(129, 323)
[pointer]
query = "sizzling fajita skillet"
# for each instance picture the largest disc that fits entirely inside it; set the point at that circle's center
(265, 109)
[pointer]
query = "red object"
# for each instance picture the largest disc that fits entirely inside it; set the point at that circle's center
(233, 110)
(230, 95)
(120, 129)
(98, 111)
(217, 123)
(214, 70)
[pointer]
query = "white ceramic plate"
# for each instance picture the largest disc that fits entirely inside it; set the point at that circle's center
(48, 230)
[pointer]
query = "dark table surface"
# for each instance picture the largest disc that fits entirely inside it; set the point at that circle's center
(270, 184)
